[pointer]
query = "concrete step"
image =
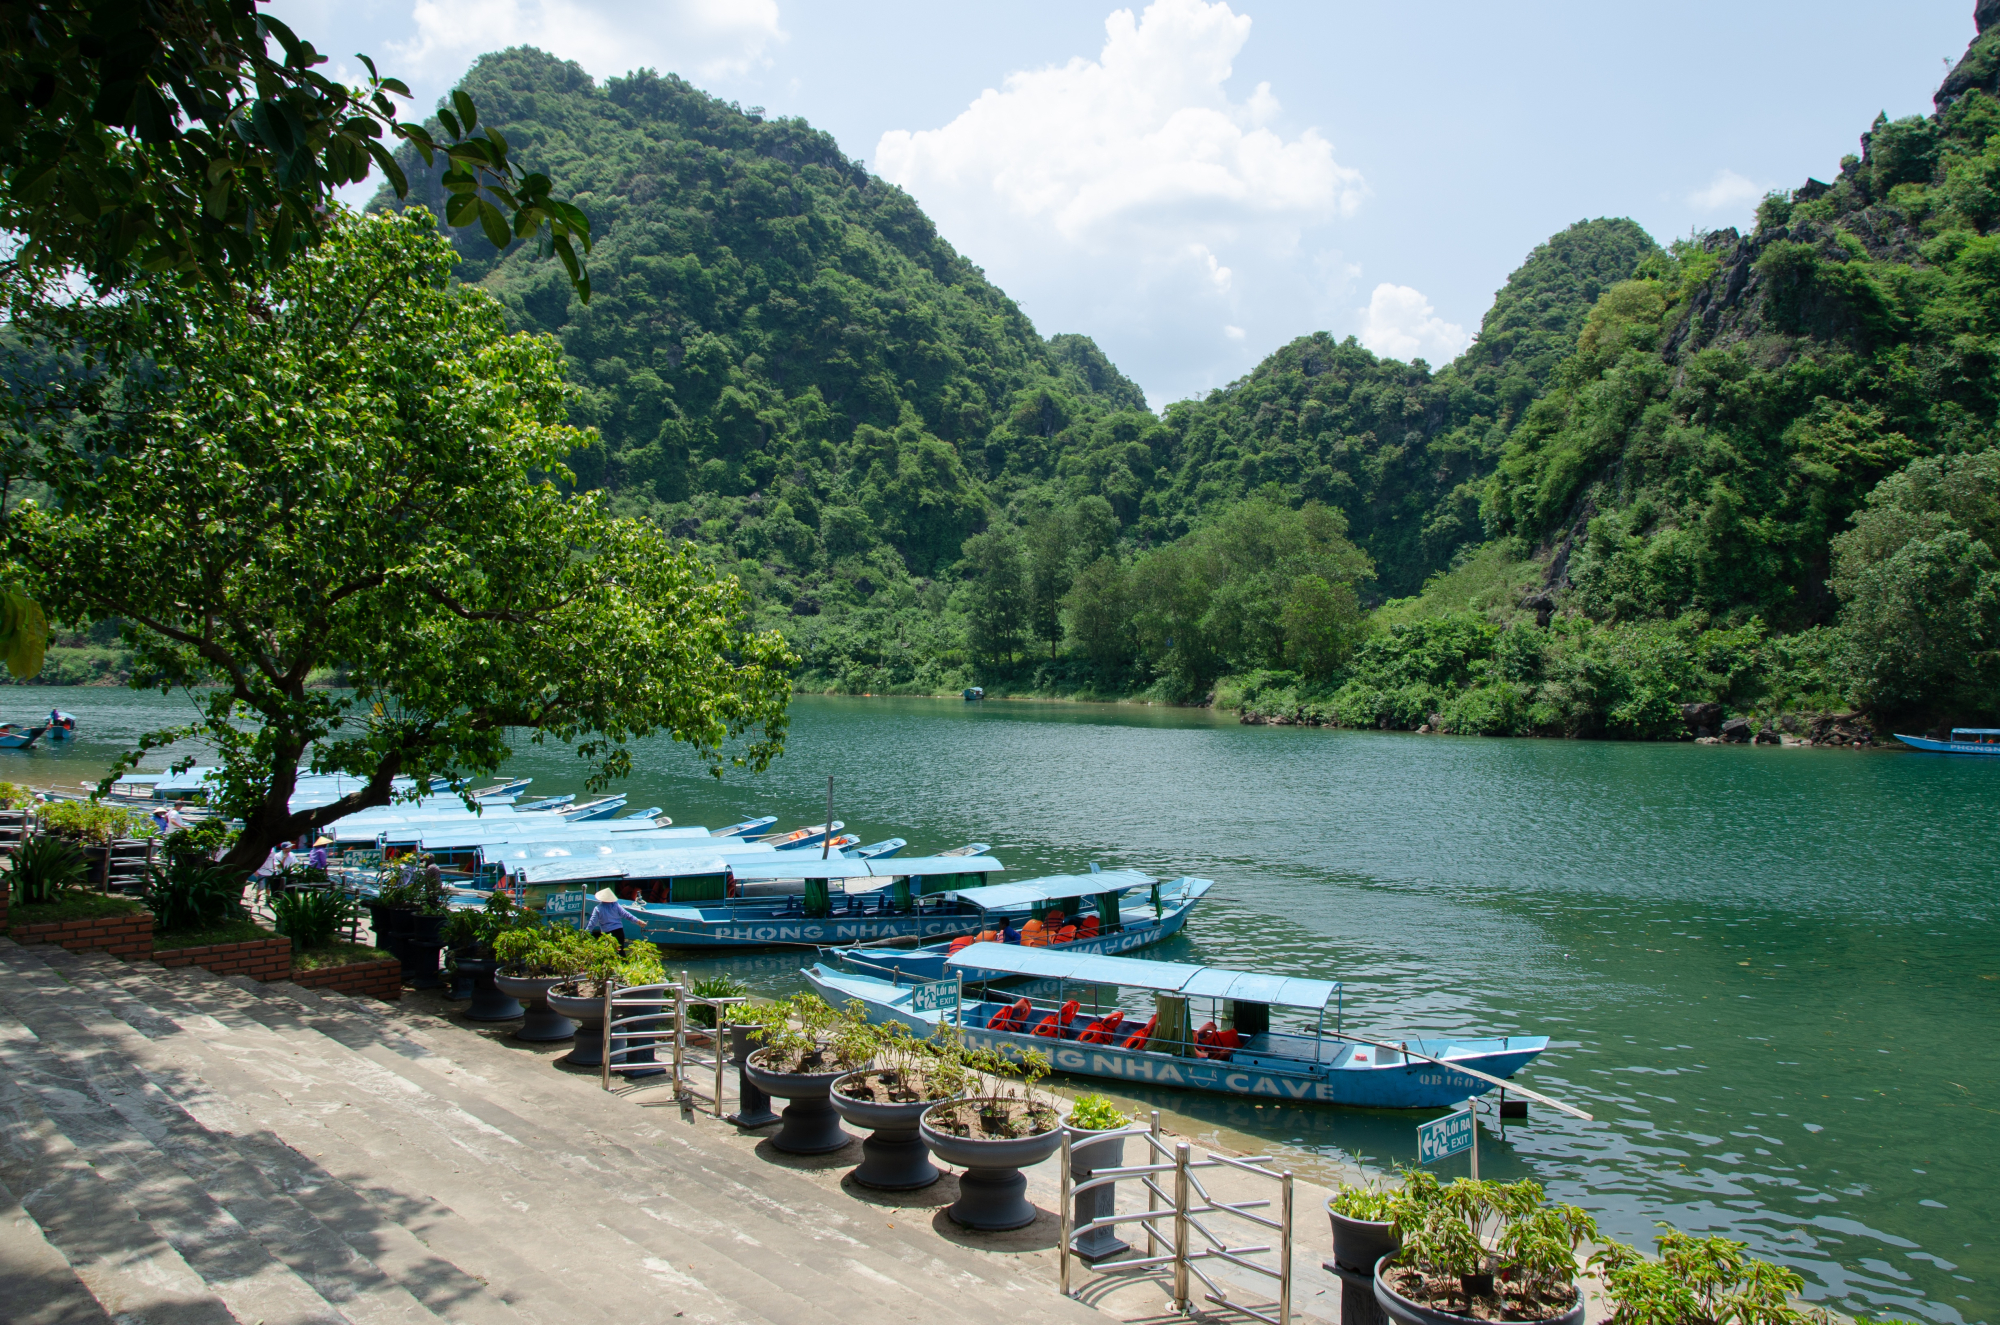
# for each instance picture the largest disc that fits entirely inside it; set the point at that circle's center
(41, 1289)
(390, 1127)
(82, 1212)
(257, 1250)
(416, 1238)
(606, 1122)
(803, 1282)
(706, 1205)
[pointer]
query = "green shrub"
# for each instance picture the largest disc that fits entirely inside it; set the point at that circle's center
(198, 844)
(1376, 1204)
(312, 917)
(1700, 1279)
(194, 895)
(93, 822)
(1094, 1113)
(711, 986)
(44, 868)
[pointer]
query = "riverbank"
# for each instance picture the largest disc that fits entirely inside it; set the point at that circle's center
(1271, 700)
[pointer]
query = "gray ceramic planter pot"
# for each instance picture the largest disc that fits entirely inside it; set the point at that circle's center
(1400, 1309)
(488, 1003)
(588, 1016)
(1359, 1243)
(538, 1025)
(1088, 1152)
(811, 1125)
(992, 1192)
(893, 1156)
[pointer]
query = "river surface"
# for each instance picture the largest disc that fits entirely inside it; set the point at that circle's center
(1771, 974)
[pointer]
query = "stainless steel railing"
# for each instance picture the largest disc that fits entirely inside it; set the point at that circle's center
(1189, 1212)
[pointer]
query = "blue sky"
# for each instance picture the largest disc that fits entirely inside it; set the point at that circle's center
(1194, 183)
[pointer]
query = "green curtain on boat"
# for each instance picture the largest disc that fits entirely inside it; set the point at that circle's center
(1107, 911)
(703, 888)
(818, 905)
(1156, 900)
(1170, 1036)
(899, 894)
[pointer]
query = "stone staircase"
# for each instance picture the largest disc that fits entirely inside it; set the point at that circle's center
(179, 1148)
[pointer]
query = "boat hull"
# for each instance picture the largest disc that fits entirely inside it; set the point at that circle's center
(753, 931)
(1406, 1084)
(1928, 746)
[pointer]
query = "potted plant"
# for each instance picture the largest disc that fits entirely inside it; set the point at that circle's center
(710, 986)
(1090, 1150)
(1364, 1227)
(993, 1136)
(1482, 1250)
(806, 1047)
(904, 1077)
(471, 935)
(416, 912)
(1697, 1280)
(596, 962)
(532, 959)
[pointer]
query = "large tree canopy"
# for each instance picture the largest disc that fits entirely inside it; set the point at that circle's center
(353, 467)
(141, 136)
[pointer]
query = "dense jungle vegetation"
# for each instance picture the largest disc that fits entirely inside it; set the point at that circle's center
(1753, 469)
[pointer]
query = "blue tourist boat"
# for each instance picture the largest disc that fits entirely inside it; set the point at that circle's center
(895, 909)
(748, 828)
(1104, 928)
(601, 808)
(878, 850)
(1964, 741)
(13, 737)
(1248, 1057)
(800, 838)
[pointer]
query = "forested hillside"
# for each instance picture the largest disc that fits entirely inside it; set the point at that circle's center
(1741, 470)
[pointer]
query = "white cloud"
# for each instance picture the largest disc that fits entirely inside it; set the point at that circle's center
(1124, 194)
(1728, 191)
(1145, 133)
(699, 39)
(1234, 333)
(1399, 323)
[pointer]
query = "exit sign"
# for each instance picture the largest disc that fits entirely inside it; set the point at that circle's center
(1442, 1137)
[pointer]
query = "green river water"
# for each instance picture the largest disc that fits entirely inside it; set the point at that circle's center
(1771, 974)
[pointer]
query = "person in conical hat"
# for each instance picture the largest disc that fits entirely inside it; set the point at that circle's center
(609, 917)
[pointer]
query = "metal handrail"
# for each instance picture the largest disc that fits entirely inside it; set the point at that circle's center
(613, 993)
(1188, 1202)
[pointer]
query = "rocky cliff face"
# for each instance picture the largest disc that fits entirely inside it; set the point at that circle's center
(1745, 402)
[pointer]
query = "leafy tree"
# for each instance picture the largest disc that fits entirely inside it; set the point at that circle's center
(165, 135)
(1097, 613)
(1919, 584)
(997, 585)
(352, 466)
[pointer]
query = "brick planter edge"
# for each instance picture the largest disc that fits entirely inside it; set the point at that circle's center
(260, 959)
(377, 979)
(127, 936)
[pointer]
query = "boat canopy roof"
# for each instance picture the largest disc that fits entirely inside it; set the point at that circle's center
(1053, 888)
(788, 866)
(1138, 973)
(1975, 731)
(690, 865)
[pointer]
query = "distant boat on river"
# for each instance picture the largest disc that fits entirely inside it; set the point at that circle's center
(1964, 741)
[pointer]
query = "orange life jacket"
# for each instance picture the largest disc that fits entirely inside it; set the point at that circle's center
(1137, 1039)
(1100, 1033)
(1012, 1018)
